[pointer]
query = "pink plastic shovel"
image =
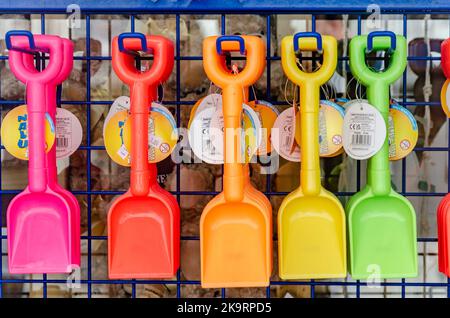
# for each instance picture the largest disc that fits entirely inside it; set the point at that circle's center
(51, 155)
(39, 218)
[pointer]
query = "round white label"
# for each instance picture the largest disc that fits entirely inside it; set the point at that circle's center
(283, 136)
(69, 133)
(364, 130)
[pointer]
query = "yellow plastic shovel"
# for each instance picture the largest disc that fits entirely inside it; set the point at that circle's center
(311, 220)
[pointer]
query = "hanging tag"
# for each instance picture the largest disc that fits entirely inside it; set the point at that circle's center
(331, 117)
(119, 104)
(283, 136)
(206, 134)
(69, 133)
(14, 132)
(113, 138)
(445, 98)
(402, 132)
(364, 130)
(162, 133)
(211, 100)
(267, 114)
(250, 134)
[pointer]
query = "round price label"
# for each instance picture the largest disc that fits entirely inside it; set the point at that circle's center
(206, 134)
(364, 130)
(14, 132)
(162, 133)
(283, 135)
(113, 138)
(445, 98)
(402, 132)
(69, 133)
(267, 114)
(331, 118)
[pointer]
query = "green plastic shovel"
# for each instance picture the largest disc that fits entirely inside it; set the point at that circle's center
(381, 222)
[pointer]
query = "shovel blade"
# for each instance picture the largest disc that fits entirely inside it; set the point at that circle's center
(382, 232)
(141, 239)
(38, 235)
(235, 246)
(311, 238)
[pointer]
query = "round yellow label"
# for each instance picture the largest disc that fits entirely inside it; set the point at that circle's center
(267, 115)
(402, 132)
(113, 138)
(14, 132)
(331, 119)
(162, 134)
(445, 98)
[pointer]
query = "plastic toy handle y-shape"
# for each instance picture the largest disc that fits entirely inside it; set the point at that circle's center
(143, 90)
(36, 83)
(309, 98)
(233, 86)
(377, 83)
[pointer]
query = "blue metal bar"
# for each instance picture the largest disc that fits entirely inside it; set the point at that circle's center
(211, 6)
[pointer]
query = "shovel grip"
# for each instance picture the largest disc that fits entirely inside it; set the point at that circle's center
(445, 57)
(215, 67)
(124, 63)
(48, 43)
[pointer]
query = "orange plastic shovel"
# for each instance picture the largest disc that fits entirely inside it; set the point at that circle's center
(235, 231)
(144, 223)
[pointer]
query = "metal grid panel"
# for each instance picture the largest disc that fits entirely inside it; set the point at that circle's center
(404, 284)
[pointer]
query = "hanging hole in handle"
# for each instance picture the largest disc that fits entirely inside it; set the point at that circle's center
(378, 59)
(308, 60)
(32, 47)
(234, 60)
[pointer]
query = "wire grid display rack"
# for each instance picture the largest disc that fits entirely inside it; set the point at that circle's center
(268, 9)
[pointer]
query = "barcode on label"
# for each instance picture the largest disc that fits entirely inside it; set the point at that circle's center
(62, 142)
(365, 140)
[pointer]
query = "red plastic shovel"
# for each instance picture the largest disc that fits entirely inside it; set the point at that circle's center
(443, 214)
(144, 223)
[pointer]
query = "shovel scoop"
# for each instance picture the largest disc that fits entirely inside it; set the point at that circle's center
(39, 218)
(311, 220)
(381, 222)
(144, 223)
(235, 232)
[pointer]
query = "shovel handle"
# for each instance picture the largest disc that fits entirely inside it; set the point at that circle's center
(445, 57)
(377, 83)
(143, 90)
(309, 98)
(36, 83)
(233, 91)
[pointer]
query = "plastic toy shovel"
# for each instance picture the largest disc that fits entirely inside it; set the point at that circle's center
(51, 154)
(38, 219)
(311, 220)
(443, 214)
(235, 241)
(144, 223)
(381, 222)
